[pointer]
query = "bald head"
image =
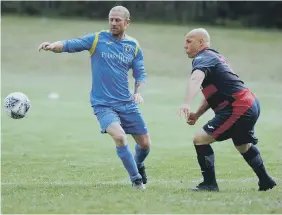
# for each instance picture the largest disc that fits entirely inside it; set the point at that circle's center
(200, 34)
(196, 40)
(121, 10)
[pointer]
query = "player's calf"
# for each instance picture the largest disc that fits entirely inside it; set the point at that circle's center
(205, 156)
(142, 149)
(140, 155)
(253, 158)
(123, 151)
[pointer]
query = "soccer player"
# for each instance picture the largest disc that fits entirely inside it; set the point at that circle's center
(113, 54)
(236, 110)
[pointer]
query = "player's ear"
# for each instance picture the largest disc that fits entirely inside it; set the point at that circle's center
(127, 22)
(202, 41)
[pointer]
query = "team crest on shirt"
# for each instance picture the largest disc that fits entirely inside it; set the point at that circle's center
(127, 49)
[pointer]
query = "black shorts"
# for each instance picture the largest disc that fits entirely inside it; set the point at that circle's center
(236, 123)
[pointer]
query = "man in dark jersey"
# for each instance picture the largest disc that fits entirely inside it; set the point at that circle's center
(236, 110)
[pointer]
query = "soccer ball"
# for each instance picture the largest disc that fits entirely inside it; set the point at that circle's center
(17, 105)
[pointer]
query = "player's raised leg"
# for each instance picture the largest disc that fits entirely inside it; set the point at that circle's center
(110, 123)
(133, 123)
(124, 153)
(205, 156)
(142, 149)
(244, 140)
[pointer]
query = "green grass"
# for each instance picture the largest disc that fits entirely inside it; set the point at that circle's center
(56, 160)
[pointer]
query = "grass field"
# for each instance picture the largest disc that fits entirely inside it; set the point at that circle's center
(56, 160)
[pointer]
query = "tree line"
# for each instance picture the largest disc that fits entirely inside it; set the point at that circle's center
(266, 14)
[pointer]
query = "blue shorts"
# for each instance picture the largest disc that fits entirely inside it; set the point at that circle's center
(239, 127)
(127, 115)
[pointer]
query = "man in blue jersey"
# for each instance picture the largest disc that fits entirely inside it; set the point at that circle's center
(236, 110)
(113, 54)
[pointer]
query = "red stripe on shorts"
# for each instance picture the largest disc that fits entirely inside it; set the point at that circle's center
(244, 99)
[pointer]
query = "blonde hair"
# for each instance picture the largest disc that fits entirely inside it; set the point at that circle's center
(123, 9)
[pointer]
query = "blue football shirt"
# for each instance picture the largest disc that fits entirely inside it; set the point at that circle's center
(111, 59)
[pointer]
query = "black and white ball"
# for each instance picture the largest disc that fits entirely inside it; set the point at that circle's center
(17, 105)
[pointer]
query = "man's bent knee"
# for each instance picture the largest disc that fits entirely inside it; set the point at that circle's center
(120, 138)
(146, 144)
(244, 147)
(203, 138)
(143, 141)
(117, 133)
(198, 140)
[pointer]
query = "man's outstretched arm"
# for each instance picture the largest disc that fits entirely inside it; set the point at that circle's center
(73, 45)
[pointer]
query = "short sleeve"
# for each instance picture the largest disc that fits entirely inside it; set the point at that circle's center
(203, 63)
(78, 44)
